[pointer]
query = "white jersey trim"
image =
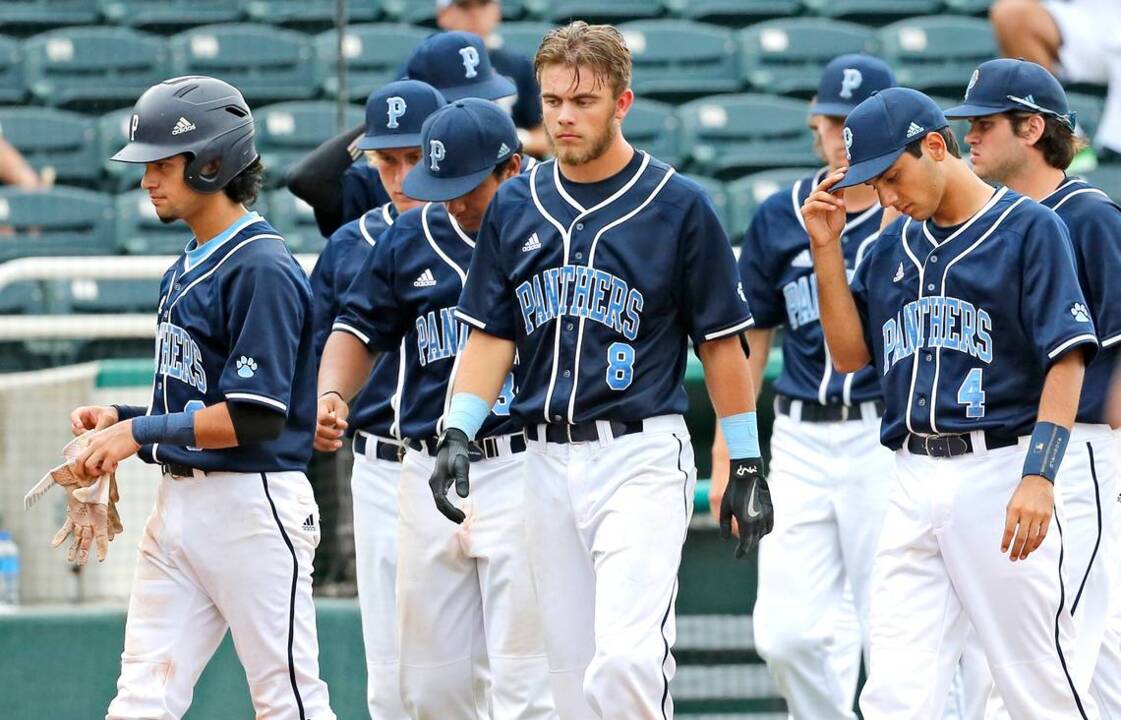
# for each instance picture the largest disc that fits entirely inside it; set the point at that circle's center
(750, 322)
(352, 330)
(564, 239)
(996, 196)
(395, 398)
(1064, 186)
(432, 241)
(230, 234)
(459, 231)
(1081, 191)
(1110, 341)
(470, 320)
(362, 223)
(794, 192)
(211, 271)
(257, 398)
(1073, 341)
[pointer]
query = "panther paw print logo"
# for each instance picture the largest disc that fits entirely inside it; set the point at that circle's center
(246, 367)
(1080, 313)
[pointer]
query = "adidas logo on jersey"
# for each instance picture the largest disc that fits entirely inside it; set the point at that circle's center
(425, 279)
(802, 259)
(183, 126)
(1080, 313)
(914, 130)
(534, 243)
(898, 273)
(309, 523)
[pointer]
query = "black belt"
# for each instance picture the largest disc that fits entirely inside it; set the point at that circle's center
(487, 448)
(177, 470)
(392, 452)
(583, 432)
(953, 445)
(816, 412)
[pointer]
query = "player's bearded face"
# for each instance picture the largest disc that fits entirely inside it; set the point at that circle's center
(167, 189)
(996, 152)
(393, 165)
(581, 113)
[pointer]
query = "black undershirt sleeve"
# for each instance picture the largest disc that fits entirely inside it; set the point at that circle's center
(317, 177)
(255, 423)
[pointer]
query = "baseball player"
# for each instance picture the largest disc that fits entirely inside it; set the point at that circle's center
(231, 540)
(455, 584)
(970, 311)
(394, 115)
(595, 270)
(1022, 136)
(829, 473)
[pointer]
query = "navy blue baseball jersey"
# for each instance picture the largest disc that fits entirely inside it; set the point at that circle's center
(777, 272)
(1094, 222)
(361, 190)
(600, 299)
(526, 110)
(371, 410)
(963, 323)
(403, 298)
(235, 324)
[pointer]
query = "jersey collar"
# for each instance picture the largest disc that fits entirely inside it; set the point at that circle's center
(196, 255)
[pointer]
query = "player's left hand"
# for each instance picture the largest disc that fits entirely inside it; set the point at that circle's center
(452, 465)
(747, 499)
(1027, 517)
(105, 450)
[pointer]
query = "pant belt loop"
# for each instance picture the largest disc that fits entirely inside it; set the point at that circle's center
(796, 410)
(977, 437)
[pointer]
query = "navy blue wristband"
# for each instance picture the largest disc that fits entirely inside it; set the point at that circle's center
(128, 412)
(173, 429)
(1045, 452)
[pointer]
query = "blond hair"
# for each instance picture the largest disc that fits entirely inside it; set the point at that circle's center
(578, 45)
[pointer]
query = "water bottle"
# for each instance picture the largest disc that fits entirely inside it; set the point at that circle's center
(9, 570)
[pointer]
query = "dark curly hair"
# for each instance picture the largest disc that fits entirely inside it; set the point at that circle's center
(246, 185)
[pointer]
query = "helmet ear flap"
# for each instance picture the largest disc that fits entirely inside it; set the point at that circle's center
(233, 155)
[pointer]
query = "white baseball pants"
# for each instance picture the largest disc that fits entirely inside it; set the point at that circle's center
(464, 587)
(939, 568)
(225, 550)
(606, 521)
(829, 484)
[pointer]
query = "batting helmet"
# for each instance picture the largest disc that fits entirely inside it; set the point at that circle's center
(199, 116)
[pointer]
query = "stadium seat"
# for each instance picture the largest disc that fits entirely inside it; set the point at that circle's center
(288, 131)
(313, 13)
(521, 37)
(295, 220)
(718, 194)
(654, 127)
(266, 63)
(937, 53)
(22, 298)
(93, 67)
(374, 55)
(1108, 178)
(87, 295)
(872, 11)
(787, 56)
(139, 231)
(112, 135)
(47, 137)
(40, 14)
(11, 71)
(733, 12)
(59, 221)
(748, 193)
(169, 14)
(680, 58)
(728, 134)
(969, 7)
(1089, 109)
(562, 11)
(423, 12)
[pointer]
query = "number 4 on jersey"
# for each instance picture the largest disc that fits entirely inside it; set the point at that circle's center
(971, 394)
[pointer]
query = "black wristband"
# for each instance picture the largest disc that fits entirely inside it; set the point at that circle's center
(332, 392)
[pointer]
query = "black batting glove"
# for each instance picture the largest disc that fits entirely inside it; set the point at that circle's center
(452, 465)
(748, 499)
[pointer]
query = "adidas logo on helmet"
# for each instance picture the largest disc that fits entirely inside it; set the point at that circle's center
(183, 125)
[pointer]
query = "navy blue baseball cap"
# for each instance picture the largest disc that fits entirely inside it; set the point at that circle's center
(880, 128)
(1006, 84)
(457, 64)
(395, 113)
(849, 80)
(461, 145)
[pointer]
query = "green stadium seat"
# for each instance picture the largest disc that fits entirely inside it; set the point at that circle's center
(59, 221)
(1089, 109)
(719, 196)
(562, 11)
(733, 12)
(937, 53)
(730, 134)
(139, 231)
(654, 127)
(41, 14)
(521, 37)
(288, 131)
(169, 14)
(88, 295)
(374, 55)
(266, 63)
(47, 137)
(1108, 178)
(748, 193)
(22, 298)
(112, 135)
(295, 220)
(874, 12)
(787, 56)
(11, 71)
(93, 67)
(423, 12)
(310, 13)
(969, 7)
(680, 58)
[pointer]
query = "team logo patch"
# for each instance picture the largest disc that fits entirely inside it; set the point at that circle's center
(898, 273)
(848, 142)
(914, 130)
(135, 123)
(802, 259)
(470, 60)
(425, 279)
(972, 81)
(1080, 312)
(534, 243)
(436, 153)
(246, 367)
(183, 125)
(851, 79)
(395, 109)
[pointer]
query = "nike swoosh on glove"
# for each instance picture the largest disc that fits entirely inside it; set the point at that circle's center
(748, 499)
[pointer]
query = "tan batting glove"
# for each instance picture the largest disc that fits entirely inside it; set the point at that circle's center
(91, 515)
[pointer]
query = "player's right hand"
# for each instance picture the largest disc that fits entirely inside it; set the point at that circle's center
(453, 464)
(330, 422)
(747, 499)
(92, 417)
(824, 211)
(1027, 517)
